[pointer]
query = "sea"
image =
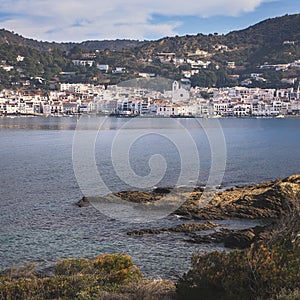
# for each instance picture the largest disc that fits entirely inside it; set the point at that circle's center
(41, 181)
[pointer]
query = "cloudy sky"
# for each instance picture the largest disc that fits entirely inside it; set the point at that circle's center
(79, 20)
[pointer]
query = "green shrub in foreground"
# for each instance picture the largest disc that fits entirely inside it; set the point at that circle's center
(257, 273)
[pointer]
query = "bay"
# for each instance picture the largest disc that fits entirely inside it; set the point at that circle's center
(39, 221)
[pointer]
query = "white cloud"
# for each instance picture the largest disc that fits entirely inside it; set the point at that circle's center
(77, 20)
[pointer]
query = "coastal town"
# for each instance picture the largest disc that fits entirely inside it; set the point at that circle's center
(181, 100)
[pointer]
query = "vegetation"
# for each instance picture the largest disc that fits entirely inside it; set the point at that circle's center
(73, 279)
(268, 270)
(273, 41)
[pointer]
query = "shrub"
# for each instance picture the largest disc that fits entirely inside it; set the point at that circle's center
(74, 279)
(258, 272)
(118, 268)
(73, 266)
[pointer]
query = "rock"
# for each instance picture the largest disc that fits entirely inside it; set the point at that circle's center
(268, 200)
(260, 201)
(83, 202)
(240, 239)
(185, 227)
(162, 190)
(139, 196)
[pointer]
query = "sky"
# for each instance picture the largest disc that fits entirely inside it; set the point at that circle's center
(81, 20)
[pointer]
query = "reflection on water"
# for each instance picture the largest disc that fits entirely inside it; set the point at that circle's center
(38, 123)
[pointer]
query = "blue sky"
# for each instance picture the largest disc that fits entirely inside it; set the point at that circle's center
(78, 20)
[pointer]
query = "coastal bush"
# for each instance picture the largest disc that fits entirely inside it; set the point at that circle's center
(73, 266)
(118, 268)
(74, 279)
(260, 272)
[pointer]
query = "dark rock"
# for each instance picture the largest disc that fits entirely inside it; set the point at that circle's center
(241, 239)
(83, 202)
(161, 190)
(185, 227)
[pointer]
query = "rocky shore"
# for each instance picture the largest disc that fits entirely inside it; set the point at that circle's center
(264, 201)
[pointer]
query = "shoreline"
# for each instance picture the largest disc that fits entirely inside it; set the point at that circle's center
(145, 116)
(274, 245)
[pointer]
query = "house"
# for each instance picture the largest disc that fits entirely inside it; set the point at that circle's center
(281, 67)
(46, 108)
(119, 70)
(11, 108)
(20, 58)
(199, 53)
(231, 64)
(289, 42)
(7, 68)
(84, 63)
(70, 108)
(290, 81)
(103, 67)
(107, 106)
(165, 56)
(147, 75)
(242, 110)
(170, 110)
(56, 107)
(198, 64)
(221, 48)
(88, 55)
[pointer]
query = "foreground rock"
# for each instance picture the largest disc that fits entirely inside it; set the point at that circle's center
(265, 200)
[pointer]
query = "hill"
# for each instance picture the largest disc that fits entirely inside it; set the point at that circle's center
(11, 38)
(266, 54)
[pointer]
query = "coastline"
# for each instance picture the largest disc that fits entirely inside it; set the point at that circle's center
(113, 275)
(146, 116)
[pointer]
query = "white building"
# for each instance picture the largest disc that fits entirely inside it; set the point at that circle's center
(103, 67)
(80, 62)
(179, 94)
(170, 110)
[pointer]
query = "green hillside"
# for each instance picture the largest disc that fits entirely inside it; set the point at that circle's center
(208, 60)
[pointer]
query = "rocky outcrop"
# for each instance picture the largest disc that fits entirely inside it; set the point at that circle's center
(265, 200)
(268, 200)
(260, 201)
(185, 228)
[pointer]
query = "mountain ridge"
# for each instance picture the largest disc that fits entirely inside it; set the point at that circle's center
(119, 44)
(211, 60)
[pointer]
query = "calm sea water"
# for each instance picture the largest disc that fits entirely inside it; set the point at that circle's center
(39, 221)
